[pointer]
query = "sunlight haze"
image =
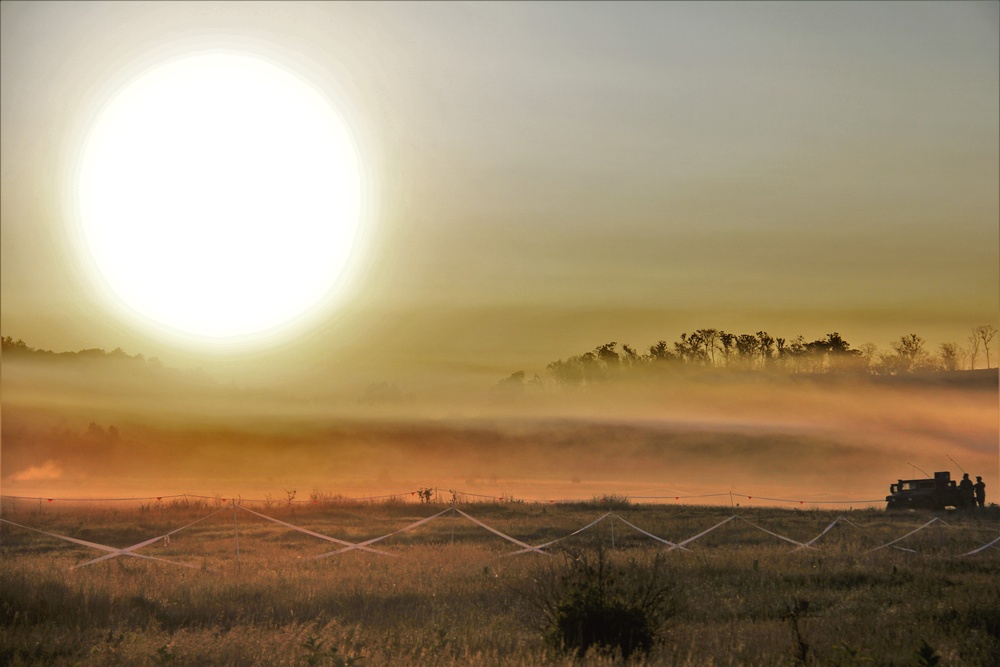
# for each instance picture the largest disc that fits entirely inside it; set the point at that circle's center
(521, 183)
(551, 176)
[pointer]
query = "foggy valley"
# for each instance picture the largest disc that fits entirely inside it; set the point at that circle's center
(97, 423)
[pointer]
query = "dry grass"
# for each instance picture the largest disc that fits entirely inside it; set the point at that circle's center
(452, 595)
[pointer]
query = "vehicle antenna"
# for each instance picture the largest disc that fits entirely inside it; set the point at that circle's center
(920, 469)
(956, 463)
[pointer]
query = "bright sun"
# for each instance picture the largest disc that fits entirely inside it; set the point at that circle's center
(220, 196)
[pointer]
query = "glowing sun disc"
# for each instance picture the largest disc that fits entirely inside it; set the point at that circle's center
(220, 196)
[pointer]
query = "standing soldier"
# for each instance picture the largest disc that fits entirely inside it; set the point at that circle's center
(980, 488)
(967, 491)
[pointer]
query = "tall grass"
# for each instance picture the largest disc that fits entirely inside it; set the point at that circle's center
(450, 593)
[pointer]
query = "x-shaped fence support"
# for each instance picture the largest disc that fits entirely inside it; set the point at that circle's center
(115, 552)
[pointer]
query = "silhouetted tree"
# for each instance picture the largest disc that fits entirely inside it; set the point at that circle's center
(837, 345)
(869, 353)
(11, 345)
(795, 354)
(567, 373)
(973, 349)
(950, 356)
(779, 348)
(607, 356)
(986, 334)
(835, 354)
(591, 367)
(910, 353)
(746, 349)
(629, 357)
(660, 353)
(830, 354)
(692, 348)
(513, 382)
(514, 386)
(765, 344)
(814, 356)
(727, 342)
(709, 338)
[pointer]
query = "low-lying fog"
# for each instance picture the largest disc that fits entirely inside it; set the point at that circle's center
(106, 427)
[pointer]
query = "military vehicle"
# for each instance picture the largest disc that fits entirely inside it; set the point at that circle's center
(936, 493)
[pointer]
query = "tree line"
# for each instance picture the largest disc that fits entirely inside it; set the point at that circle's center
(19, 347)
(760, 351)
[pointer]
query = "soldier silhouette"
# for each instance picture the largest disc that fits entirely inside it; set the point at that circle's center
(967, 492)
(980, 489)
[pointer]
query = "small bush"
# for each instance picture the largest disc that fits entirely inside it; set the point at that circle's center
(593, 602)
(613, 501)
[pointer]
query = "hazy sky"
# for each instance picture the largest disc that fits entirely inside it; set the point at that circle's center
(546, 177)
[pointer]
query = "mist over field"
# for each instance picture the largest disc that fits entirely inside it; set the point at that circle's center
(758, 166)
(284, 283)
(111, 424)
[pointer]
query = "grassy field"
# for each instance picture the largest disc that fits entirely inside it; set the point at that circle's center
(450, 592)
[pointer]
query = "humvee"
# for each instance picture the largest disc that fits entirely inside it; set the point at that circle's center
(930, 494)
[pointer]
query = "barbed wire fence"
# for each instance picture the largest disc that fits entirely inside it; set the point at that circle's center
(214, 506)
